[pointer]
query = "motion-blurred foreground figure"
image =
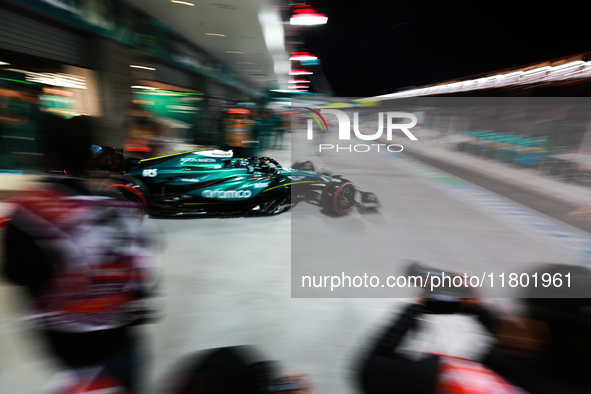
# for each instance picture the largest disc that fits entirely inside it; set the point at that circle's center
(233, 370)
(547, 350)
(85, 262)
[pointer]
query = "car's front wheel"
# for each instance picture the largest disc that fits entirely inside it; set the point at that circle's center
(338, 198)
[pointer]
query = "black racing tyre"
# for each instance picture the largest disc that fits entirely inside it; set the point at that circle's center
(338, 198)
(129, 189)
(129, 194)
(305, 165)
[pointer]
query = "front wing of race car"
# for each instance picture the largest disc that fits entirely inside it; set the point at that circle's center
(367, 200)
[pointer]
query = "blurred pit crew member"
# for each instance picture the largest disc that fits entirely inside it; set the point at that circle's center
(233, 370)
(84, 261)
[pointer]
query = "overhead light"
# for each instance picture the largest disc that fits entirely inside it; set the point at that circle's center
(287, 91)
(216, 34)
(298, 86)
(561, 67)
(56, 79)
(307, 17)
(520, 77)
(234, 52)
(536, 70)
(142, 67)
(511, 75)
(244, 63)
(143, 87)
(299, 81)
(4, 64)
(183, 2)
(302, 56)
(308, 20)
(300, 72)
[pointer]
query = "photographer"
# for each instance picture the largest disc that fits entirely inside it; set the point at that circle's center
(544, 351)
(384, 371)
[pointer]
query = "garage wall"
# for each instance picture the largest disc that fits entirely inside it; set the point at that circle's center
(33, 37)
(112, 61)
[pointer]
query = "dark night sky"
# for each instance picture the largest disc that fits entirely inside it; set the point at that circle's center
(376, 47)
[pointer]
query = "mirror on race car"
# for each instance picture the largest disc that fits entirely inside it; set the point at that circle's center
(131, 163)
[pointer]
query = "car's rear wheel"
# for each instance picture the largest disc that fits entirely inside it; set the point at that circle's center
(128, 193)
(338, 198)
(128, 189)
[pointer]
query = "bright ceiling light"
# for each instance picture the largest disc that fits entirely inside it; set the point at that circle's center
(302, 56)
(300, 72)
(142, 67)
(183, 2)
(56, 79)
(520, 77)
(299, 81)
(286, 91)
(569, 65)
(536, 70)
(511, 75)
(216, 34)
(298, 86)
(4, 64)
(308, 20)
(143, 87)
(307, 17)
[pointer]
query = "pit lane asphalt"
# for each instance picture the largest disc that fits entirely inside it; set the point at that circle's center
(543, 204)
(227, 281)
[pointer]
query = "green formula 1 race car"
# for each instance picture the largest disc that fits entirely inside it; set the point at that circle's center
(213, 183)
